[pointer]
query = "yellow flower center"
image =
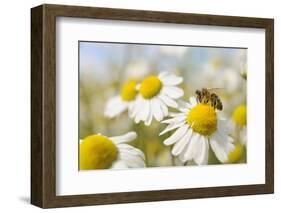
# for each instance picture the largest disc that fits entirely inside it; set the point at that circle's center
(129, 91)
(239, 115)
(236, 155)
(150, 87)
(97, 152)
(202, 119)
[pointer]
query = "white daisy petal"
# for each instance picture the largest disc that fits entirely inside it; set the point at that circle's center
(149, 118)
(171, 79)
(132, 161)
(130, 136)
(137, 106)
(119, 164)
(163, 107)
(229, 144)
(184, 109)
(116, 111)
(114, 107)
(139, 114)
(176, 135)
(223, 127)
(139, 162)
(177, 119)
(193, 101)
(114, 100)
(225, 141)
(187, 139)
(191, 147)
(138, 118)
(173, 92)
(202, 152)
(130, 108)
(184, 105)
(145, 110)
(206, 156)
(172, 126)
(168, 101)
(156, 109)
(218, 149)
(163, 74)
(179, 147)
(130, 149)
(133, 152)
(176, 114)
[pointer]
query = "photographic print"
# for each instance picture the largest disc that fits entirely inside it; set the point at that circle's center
(108, 103)
(148, 105)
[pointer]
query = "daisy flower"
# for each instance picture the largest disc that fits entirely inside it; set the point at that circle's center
(236, 155)
(243, 71)
(156, 94)
(239, 123)
(198, 125)
(102, 152)
(120, 103)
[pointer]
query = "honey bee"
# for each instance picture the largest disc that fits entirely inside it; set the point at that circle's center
(205, 96)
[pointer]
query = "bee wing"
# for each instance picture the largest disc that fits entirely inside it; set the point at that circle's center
(215, 89)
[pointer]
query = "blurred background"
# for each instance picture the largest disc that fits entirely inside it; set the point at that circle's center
(104, 67)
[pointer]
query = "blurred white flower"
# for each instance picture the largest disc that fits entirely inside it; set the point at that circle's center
(220, 72)
(243, 71)
(178, 51)
(120, 103)
(198, 125)
(156, 94)
(137, 70)
(229, 79)
(102, 152)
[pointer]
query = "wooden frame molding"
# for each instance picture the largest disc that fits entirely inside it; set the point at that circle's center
(43, 105)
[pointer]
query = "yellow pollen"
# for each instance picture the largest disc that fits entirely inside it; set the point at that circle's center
(129, 91)
(150, 87)
(236, 155)
(97, 152)
(202, 119)
(239, 115)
